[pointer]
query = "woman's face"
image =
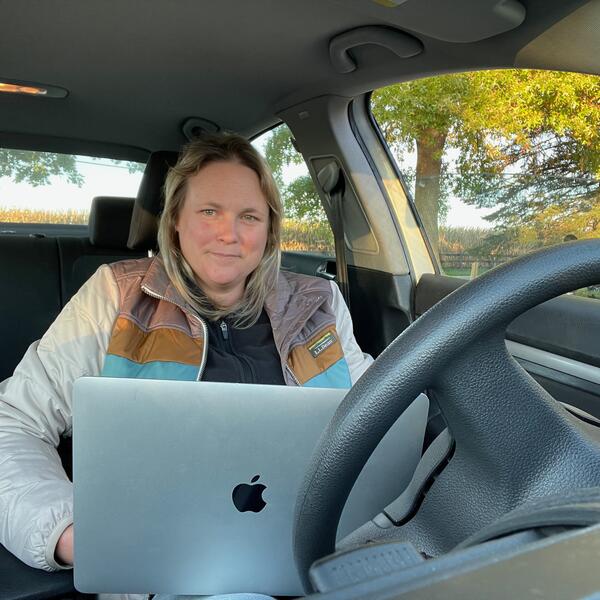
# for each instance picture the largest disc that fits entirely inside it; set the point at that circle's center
(223, 227)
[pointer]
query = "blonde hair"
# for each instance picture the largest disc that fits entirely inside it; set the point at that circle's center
(194, 157)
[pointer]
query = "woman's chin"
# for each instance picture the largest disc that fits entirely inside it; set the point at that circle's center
(221, 282)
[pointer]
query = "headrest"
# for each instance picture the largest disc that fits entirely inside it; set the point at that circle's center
(109, 221)
(149, 201)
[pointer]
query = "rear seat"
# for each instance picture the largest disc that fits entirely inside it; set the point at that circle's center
(41, 274)
(31, 294)
(109, 223)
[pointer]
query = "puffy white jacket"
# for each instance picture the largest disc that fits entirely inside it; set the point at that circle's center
(35, 411)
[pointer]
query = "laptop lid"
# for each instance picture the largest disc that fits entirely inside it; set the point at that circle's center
(190, 487)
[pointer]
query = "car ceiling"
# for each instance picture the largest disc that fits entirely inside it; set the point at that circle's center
(135, 70)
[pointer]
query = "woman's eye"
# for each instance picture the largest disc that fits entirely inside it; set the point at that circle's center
(209, 212)
(250, 218)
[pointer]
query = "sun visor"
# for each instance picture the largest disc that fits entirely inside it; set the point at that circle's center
(570, 45)
(447, 20)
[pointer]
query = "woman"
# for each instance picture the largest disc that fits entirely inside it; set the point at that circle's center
(213, 305)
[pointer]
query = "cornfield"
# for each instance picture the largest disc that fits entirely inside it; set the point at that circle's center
(313, 236)
(299, 235)
(461, 239)
(25, 215)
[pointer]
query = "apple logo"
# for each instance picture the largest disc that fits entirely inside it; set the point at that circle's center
(249, 497)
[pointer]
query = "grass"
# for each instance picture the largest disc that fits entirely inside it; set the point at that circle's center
(590, 292)
(456, 272)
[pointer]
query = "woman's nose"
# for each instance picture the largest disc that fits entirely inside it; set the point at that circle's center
(227, 230)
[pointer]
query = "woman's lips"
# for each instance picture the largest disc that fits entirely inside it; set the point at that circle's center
(223, 255)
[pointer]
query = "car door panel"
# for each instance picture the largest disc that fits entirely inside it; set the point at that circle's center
(556, 342)
(307, 263)
(380, 305)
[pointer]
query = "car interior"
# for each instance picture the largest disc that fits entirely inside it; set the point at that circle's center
(510, 361)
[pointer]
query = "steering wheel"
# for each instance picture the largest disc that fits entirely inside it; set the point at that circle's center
(513, 441)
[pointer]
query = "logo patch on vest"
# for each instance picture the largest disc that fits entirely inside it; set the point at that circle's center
(322, 344)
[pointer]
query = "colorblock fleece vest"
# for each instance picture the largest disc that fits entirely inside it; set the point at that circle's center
(157, 335)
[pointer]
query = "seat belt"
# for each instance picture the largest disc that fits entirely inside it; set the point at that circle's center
(332, 182)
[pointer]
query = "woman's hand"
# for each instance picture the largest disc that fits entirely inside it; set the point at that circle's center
(64, 548)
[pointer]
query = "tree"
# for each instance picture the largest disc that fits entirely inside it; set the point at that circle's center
(301, 200)
(299, 196)
(419, 116)
(523, 141)
(36, 168)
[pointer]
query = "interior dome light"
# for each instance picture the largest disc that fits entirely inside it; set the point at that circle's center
(31, 88)
(12, 88)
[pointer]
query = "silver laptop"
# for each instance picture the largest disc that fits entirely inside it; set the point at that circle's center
(190, 487)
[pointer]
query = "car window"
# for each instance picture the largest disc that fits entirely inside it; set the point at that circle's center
(45, 187)
(497, 163)
(305, 224)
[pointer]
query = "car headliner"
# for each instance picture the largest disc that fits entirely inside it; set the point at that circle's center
(135, 70)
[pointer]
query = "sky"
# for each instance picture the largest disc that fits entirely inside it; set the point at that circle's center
(102, 178)
(464, 215)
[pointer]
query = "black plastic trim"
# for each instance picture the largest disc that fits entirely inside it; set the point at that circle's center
(27, 141)
(559, 377)
(44, 230)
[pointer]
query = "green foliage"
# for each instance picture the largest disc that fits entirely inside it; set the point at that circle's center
(300, 198)
(525, 142)
(539, 149)
(590, 292)
(421, 111)
(280, 152)
(36, 168)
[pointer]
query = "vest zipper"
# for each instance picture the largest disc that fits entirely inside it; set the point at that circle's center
(292, 374)
(224, 330)
(200, 320)
(249, 372)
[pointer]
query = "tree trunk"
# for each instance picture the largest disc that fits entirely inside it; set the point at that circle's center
(430, 149)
